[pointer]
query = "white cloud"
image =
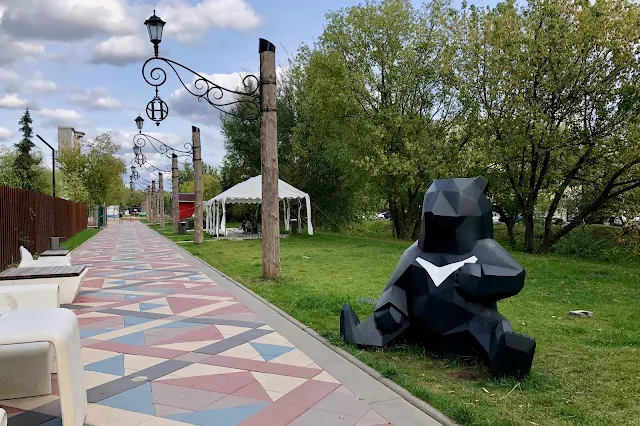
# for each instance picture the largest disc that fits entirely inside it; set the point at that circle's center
(66, 20)
(8, 80)
(56, 57)
(39, 85)
(188, 106)
(14, 50)
(75, 20)
(5, 134)
(122, 50)
(61, 117)
(188, 23)
(12, 101)
(95, 99)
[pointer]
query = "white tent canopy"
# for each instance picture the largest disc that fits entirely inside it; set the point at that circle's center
(250, 192)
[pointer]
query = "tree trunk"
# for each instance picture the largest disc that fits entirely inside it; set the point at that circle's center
(528, 231)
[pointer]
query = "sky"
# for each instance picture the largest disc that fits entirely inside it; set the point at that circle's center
(78, 63)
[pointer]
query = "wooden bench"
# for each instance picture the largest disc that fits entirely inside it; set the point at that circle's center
(68, 278)
(61, 252)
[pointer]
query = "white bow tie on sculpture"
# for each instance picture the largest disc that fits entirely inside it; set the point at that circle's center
(440, 273)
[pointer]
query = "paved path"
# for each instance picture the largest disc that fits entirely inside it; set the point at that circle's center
(168, 341)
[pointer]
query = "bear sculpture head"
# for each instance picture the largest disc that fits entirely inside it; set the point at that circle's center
(456, 213)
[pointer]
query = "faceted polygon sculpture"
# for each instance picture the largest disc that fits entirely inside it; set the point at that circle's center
(445, 289)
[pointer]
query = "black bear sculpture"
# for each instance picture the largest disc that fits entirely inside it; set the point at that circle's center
(445, 289)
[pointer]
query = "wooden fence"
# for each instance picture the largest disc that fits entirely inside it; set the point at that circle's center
(30, 218)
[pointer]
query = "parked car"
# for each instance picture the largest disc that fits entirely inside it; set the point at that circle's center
(496, 219)
(383, 216)
(617, 220)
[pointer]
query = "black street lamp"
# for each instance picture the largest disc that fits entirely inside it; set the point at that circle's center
(140, 140)
(53, 165)
(155, 26)
(203, 88)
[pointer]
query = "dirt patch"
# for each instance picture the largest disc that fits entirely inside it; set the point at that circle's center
(472, 376)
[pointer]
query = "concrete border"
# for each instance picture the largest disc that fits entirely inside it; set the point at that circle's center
(397, 412)
(85, 241)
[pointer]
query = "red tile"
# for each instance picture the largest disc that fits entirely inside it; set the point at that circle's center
(137, 350)
(238, 308)
(262, 367)
(179, 305)
(292, 405)
(254, 390)
(11, 410)
(222, 383)
(84, 322)
(54, 384)
(206, 333)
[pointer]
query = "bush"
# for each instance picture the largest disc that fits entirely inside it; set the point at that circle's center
(583, 243)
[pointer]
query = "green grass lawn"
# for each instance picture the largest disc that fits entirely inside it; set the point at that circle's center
(586, 370)
(79, 238)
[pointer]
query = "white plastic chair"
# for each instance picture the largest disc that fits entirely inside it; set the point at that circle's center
(27, 260)
(60, 328)
(25, 370)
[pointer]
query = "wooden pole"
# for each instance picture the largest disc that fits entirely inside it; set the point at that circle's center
(197, 177)
(161, 199)
(269, 161)
(147, 204)
(153, 202)
(175, 210)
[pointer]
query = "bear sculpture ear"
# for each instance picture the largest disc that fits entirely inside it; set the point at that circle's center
(482, 183)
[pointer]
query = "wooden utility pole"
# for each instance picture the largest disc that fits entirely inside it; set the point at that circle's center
(197, 177)
(161, 199)
(269, 161)
(153, 202)
(147, 204)
(175, 209)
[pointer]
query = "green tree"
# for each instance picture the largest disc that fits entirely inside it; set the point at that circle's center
(553, 89)
(25, 163)
(379, 94)
(93, 172)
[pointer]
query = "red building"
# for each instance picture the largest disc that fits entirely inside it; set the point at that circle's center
(186, 204)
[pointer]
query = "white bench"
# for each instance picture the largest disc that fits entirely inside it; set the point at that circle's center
(60, 328)
(27, 260)
(3, 417)
(25, 370)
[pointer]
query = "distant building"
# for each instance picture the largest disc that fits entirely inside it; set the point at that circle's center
(68, 137)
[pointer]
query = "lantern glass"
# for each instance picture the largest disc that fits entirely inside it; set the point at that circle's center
(136, 150)
(139, 122)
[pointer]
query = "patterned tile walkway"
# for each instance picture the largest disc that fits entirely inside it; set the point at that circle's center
(164, 345)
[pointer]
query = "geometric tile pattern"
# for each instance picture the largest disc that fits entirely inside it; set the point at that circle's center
(163, 345)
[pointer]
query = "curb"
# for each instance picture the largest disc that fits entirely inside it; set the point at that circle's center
(85, 241)
(399, 390)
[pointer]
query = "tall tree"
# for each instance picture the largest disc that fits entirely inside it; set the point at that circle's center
(382, 93)
(554, 89)
(25, 162)
(93, 172)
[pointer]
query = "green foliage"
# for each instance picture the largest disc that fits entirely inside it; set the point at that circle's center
(25, 164)
(93, 172)
(211, 182)
(552, 94)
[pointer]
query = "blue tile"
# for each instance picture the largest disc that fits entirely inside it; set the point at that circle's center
(116, 282)
(269, 352)
(89, 333)
(114, 365)
(148, 306)
(131, 320)
(196, 278)
(53, 422)
(229, 416)
(136, 338)
(150, 410)
(136, 399)
(131, 296)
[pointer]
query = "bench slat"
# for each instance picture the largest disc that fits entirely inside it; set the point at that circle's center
(45, 272)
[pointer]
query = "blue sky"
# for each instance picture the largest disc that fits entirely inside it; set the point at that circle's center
(78, 62)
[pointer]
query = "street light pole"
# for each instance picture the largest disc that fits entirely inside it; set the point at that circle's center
(53, 165)
(175, 206)
(269, 163)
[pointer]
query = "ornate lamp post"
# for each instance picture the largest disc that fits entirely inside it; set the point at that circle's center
(140, 140)
(259, 92)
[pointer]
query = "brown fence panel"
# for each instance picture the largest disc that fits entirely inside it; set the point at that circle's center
(30, 219)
